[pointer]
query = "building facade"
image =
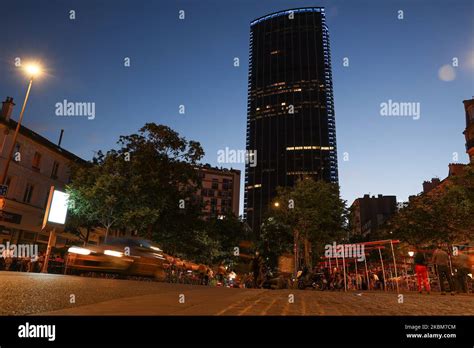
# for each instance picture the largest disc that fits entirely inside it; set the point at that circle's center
(37, 164)
(219, 192)
(290, 112)
(469, 131)
(368, 214)
(430, 185)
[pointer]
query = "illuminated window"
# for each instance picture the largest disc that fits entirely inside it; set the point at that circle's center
(301, 173)
(298, 148)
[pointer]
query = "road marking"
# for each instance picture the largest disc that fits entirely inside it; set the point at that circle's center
(233, 305)
(246, 309)
(268, 307)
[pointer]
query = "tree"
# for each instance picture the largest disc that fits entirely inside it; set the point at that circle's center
(144, 186)
(442, 215)
(148, 185)
(313, 211)
(162, 178)
(81, 212)
(229, 231)
(97, 193)
(276, 238)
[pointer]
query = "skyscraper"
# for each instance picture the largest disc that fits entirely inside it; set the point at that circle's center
(290, 111)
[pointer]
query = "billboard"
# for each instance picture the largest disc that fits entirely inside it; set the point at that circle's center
(56, 210)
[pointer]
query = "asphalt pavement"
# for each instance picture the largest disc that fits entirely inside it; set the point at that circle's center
(50, 294)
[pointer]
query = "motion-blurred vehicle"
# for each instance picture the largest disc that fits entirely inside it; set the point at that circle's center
(122, 256)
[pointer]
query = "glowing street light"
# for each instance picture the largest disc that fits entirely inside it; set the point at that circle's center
(32, 70)
(276, 204)
(411, 253)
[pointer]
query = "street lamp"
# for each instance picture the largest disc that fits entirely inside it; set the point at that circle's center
(276, 204)
(32, 70)
(411, 253)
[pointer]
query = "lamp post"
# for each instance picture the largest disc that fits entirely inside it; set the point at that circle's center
(32, 70)
(410, 254)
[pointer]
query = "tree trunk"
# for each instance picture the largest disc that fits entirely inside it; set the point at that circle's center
(307, 253)
(296, 249)
(86, 240)
(149, 232)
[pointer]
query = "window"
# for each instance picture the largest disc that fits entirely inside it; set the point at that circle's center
(8, 183)
(213, 205)
(28, 193)
(215, 184)
(226, 184)
(28, 235)
(42, 237)
(54, 172)
(208, 192)
(36, 161)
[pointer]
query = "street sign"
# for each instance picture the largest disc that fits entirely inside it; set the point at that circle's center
(3, 190)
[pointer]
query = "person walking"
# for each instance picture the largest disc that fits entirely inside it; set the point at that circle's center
(441, 262)
(381, 278)
(421, 271)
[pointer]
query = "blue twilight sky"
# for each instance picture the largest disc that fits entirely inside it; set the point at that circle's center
(190, 62)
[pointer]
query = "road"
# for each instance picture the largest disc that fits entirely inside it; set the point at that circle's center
(49, 294)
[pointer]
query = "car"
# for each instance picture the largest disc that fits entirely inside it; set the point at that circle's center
(148, 259)
(122, 256)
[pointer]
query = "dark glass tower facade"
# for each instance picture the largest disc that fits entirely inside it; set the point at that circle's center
(290, 112)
